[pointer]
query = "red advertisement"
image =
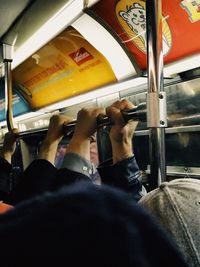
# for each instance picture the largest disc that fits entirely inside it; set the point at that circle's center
(181, 26)
(81, 56)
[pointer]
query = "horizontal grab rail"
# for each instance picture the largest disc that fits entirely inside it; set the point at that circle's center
(137, 113)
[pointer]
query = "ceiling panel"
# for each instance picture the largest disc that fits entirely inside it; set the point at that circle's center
(9, 11)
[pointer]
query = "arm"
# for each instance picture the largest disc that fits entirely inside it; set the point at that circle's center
(79, 146)
(54, 135)
(8, 173)
(40, 174)
(123, 171)
(9, 145)
(77, 157)
(121, 133)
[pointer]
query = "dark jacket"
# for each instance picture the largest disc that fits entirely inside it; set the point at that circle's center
(124, 175)
(42, 176)
(84, 225)
(9, 177)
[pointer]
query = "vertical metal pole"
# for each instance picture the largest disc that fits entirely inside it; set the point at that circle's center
(7, 59)
(156, 99)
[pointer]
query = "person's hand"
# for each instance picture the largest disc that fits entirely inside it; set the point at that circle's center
(85, 129)
(54, 135)
(55, 130)
(9, 144)
(86, 122)
(121, 133)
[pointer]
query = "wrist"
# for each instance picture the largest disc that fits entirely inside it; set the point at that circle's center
(80, 147)
(121, 151)
(7, 156)
(48, 151)
(46, 145)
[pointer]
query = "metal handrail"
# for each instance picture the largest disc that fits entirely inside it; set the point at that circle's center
(138, 113)
(7, 59)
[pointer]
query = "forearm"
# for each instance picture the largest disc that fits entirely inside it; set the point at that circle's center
(124, 174)
(80, 146)
(48, 151)
(121, 151)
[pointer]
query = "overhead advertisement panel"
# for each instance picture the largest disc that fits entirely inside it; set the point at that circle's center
(67, 66)
(181, 26)
(19, 105)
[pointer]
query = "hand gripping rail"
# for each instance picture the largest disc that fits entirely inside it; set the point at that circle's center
(138, 113)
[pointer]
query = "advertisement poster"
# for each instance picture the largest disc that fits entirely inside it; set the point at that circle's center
(181, 26)
(19, 105)
(67, 66)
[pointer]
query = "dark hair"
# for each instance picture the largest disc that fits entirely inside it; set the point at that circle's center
(84, 225)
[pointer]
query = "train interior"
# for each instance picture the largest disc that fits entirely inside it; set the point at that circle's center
(72, 54)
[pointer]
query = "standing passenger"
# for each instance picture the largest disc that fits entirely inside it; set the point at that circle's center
(84, 225)
(8, 174)
(42, 175)
(122, 170)
(176, 205)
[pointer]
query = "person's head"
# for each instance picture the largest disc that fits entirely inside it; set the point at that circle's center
(176, 204)
(84, 225)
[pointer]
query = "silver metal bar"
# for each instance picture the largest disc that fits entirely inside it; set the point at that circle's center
(8, 95)
(172, 130)
(7, 59)
(137, 113)
(157, 156)
(181, 171)
(156, 111)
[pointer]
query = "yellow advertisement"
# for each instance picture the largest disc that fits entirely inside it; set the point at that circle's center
(65, 67)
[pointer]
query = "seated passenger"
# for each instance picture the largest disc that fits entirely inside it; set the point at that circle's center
(8, 173)
(84, 225)
(176, 204)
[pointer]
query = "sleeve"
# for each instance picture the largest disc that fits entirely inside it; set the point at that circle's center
(74, 162)
(36, 179)
(42, 176)
(74, 168)
(66, 176)
(125, 175)
(9, 177)
(5, 171)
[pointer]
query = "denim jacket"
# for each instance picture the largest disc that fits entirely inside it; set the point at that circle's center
(125, 175)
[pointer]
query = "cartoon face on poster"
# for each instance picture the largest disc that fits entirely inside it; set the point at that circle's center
(192, 8)
(131, 15)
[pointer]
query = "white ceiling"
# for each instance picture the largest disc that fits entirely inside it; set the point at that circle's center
(10, 10)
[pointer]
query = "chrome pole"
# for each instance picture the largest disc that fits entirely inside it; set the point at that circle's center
(156, 98)
(7, 59)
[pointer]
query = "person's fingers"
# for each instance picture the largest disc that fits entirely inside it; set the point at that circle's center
(115, 114)
(15, 132)
(123, 104)
(59, 120)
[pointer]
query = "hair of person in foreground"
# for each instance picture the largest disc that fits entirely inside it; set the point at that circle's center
(176, 204)
(84, 224)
